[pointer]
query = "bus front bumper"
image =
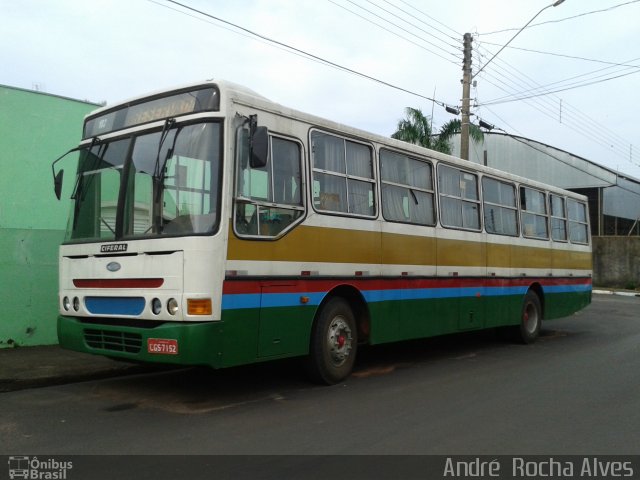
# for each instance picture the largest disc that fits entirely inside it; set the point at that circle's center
(178, 343)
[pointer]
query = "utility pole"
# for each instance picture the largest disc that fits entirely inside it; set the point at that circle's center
(467, 78)
(466, 100)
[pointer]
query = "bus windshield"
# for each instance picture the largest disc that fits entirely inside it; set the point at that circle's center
(160, 183)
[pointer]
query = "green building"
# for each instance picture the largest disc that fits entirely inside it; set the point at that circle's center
(35, 128)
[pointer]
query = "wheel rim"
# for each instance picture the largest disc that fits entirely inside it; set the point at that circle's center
(339, 340)
(530, 318)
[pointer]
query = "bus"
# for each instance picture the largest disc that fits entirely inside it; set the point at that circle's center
(211, 226)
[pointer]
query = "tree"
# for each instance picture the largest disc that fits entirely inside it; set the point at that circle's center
(417, 128)
(450, 128)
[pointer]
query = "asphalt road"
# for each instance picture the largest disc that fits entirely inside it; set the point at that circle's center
(575, 391)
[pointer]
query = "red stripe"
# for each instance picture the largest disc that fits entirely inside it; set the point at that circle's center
(118, 282)
(237, 286)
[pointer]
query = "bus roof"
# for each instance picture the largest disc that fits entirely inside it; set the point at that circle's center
(236, 93)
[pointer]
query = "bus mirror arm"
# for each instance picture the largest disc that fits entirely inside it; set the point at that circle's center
(57, 177)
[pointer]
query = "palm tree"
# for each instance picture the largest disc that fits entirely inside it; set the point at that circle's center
(417, 128)
(450, 128)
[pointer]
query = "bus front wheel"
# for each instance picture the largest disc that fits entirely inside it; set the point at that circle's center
(530, 319)
(334, 341)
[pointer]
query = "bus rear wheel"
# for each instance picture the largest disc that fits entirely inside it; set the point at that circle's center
(334, 342)
(530, 319)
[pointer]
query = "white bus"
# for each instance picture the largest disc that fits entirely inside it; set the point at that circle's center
(210, 226)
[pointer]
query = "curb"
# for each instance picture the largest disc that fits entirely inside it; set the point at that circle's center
(13, 384)
(616, 292)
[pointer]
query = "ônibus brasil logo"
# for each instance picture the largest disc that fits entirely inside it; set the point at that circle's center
(36, 469)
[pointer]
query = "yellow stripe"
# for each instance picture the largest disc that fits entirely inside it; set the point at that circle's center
(330, 245)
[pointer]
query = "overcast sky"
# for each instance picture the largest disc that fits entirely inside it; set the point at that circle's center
(111, 50)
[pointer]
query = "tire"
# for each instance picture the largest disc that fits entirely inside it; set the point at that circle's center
(334, 342)
(530, 319)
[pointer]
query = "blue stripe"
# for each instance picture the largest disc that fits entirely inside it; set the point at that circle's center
(115, 305)
(567, 289)
(253, 300)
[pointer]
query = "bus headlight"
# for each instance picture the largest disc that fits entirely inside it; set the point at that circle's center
(66, 304)
(76, 303)
(156, 306)
(172, 306)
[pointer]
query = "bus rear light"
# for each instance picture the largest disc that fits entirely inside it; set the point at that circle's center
(172, 306)
(199, 306)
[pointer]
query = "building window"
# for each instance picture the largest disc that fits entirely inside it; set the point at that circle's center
(407, 189)
(343, 176)
(578, 224)
(558, 218)
(534, 213)
(500, 209)
(459, 202)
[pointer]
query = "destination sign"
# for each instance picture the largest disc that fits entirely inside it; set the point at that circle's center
(150, 110)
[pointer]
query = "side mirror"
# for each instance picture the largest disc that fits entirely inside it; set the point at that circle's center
(57, 177)
(258, 143)
(57, 183)
(259, 147)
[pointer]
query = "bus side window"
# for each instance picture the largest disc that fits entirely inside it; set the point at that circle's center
(343, 174)
(407, 189)
(578, 223)
(459, 200)
(534, 213)
(500, 209)
(558, 218)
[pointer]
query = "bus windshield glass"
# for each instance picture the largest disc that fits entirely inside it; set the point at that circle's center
(159, 183)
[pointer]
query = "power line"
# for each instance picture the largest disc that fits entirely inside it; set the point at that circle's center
(573, 57)
(455, 39)
(550, 106)
(563, 19)
(550, 92)
(548, 109)
(583, 125)
(618, 148)
(395, 33)
(503, 121)
(298, 51)
(524, 79)
(546, 88)
(431, 18)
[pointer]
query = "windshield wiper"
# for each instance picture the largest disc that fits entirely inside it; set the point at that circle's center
(159, 173)
(158, 169)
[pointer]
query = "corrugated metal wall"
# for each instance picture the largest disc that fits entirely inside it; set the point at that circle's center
(531, 159)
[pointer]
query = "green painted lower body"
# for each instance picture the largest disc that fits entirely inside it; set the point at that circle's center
(254, 335)
(241, 337)
(198, 343)
(411, 319)
(558, 305)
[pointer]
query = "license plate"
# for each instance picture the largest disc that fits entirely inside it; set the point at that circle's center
(162, 346)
